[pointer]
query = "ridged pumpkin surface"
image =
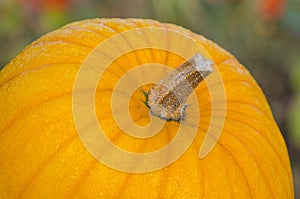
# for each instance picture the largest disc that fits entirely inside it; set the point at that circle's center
(41, 155)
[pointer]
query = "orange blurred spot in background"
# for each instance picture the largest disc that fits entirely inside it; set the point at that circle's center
(38, 6)
(272, 9)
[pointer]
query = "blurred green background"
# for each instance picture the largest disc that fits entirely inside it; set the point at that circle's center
(263, 34)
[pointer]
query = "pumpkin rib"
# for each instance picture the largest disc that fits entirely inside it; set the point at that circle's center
(108, 38)
(161, 25)
(54, 42)
(167, 37)
(239, 102)
(83, 176)
(264, 138)
(60, 41)
(232, 183)
(45, 162)
(187, 32)
(119, 25)
(73, 25)
(145, 22)
(249, 116)
(227, 131)
(115, 45)
(34, 70)
(239, 166)
(249, 83)
(253, 87)
(233, 158)
(200, 170)
(227, 179)
(207, 109)
(29, 108)
(244, 80)
(268, 142)
(258, 109)
(63, 40)
(277, 155)
(122, 187)
(252, 90)
(136, 56)
(242, 113)
(16, 73)
(88, 29)
(163, 182)
(256, 163)
(86, 176)
(121, 67)
(137, 26)
(236, 162)
(165, 176)
(167, 53)
(85, 173)
(24, 112)
(42, 42)
(17, 153)
(101, 34)
(104, 23)
(147, 39)
(227, 110)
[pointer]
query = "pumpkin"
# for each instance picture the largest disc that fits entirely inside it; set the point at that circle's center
(42, 155)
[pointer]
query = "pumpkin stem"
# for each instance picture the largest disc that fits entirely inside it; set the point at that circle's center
(167, 98)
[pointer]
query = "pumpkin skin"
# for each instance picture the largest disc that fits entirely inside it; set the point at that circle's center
(41, 154)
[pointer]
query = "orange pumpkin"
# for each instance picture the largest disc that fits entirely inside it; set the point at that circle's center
(41, 154)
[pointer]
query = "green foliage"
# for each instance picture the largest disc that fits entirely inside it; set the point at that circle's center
(294, 121)
(294, 116)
